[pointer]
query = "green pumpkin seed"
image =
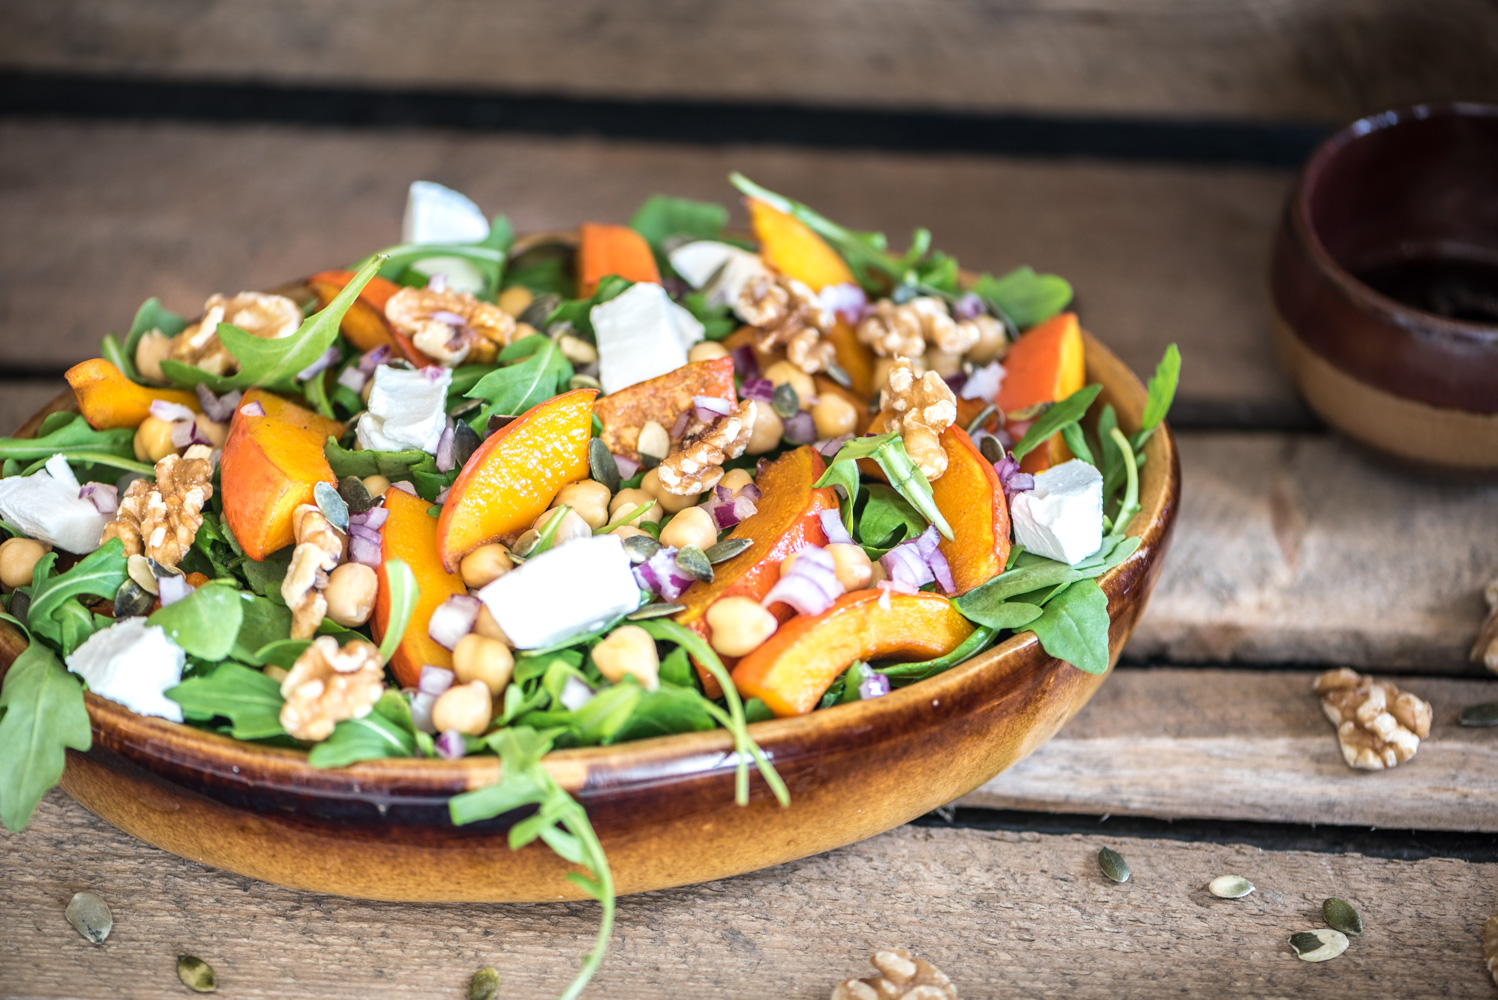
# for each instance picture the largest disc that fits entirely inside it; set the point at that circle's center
(982, 418)
(991, 450)
(20, 603)
(1340, 914)
(356, 495)
(1113, 864)
(837, 374)
(1483, 715)
(584, 382)
(196, 974)
(540, 310)
(484, 985)
(641, 547)
(694, 562)
(90, 916)
(526, 543)
(130, 601)
(658, 609)
(465, 442)
(726, 549)
(1230, 887)
(333, 506)
(784, 401)
(138, 568)
(1318, 945)
(601, 465)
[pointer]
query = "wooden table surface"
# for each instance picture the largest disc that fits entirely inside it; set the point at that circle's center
(1204, 754)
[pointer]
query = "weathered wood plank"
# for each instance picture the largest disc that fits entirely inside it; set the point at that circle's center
(1004, 913)
(1250, 745)
(19, 400)
(116, 213)
(1305, 548)
(1317, 59)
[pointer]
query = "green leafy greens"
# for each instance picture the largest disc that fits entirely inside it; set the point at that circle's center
(41, 714)
(535, 372)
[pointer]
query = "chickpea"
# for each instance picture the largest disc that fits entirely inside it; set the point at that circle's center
(991, 343)
(767, 432)
(629, 651)
(854, 568)
(736, 479)
(154, 348)
(589, 498)
(515, 299)
(480, 658)
(570, 528)
(275, 673)
(153, 440)
(693, 526)
(625, 502)
(351, 593)
(486, 626)
(464, 707)
(18, 558)
(740, 625)
(783, 371)
(376, 485)
(216, 433)
(834, 415)
(942, 363)
(707, 350)
(365, 392)
(883, 365)
(670, 502)
(626, 530)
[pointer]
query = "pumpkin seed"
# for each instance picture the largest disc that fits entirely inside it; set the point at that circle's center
(1113, 864)
(641, 547)
(656, 610)
(356, 495)
(1340, 914)
(484, 985)
(837, 374)
(465, 443)
(1230, 887)
(581, 381)
(601, 465)
(498, 420)
(196, 974)
(138, 568)
(991, 450)
(90, 916)
(784, 401)
(1318, 945)
(333, 506)
(540, 310)
(160, 571)
(693, 561)
(526, 543)
(726, 549)
(981, 418)
(20, 603)
(1484, 715)
(130, 601)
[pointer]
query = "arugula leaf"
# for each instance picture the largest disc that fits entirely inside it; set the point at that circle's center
(901, 674)
(1030, 574)
(150, 316)
(1076, 440)
(41, 714)
(400, 584)
(99, 574)
(1067, 411)
(579, 312)
(385, 732)
(70, 436)
(250, 700)
(662, 217)
(1162, 392)
(264, 623)
(206, 622)
(888, 450)
(393, 465)
(596, 722)
(522, 384)
(887, 518)
(1023, 296)
(1112, 458)
(265, 576)
(1129, 505)
(1074, 627)
(717, 322)
(665, 711)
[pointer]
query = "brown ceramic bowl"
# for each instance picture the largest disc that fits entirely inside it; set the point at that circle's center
(1385, 284)
(663, 808)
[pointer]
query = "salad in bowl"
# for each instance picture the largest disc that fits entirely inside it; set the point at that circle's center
(480, 496)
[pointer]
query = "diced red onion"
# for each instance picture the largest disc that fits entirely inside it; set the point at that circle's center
(434, 373)
(893, 587)
(662, 576)
(374, 518)
(751, 491)
(810, 585)
(984, 382)
(371, 360)
(437, 282)
(833, 527)
(172, 588)
(968, 306)
(252, 409)
(405, 486)
(353, 379)
(873, 686)
(319, 366)
(365, 551)
(1011, 478)
(829, 447)
(170, 412)
(846, 300)
(185, 432)
(357, 530)
(627, 466)
(955, 381)
(926, 542)
(800, 429)
(450, 745)
(757, 388)
(679, 428)
(709, 408)
(904, 564)
(421, 711)
(575, 694)
(450, 318)
(942, 570)
(104, 497)
(220, 409)
(445, 459)
(434, 680)
(729, 507)
(745, 364)
(453, 619)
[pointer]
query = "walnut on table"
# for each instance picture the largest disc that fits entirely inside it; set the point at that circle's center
(450, 327)
(269, 317)
(920, 407)
(160, 519)
(1485, 648)
(1378, 725)
(786, 313)
(328, 685)
(902, 976)
(697, 463)
(319, 549)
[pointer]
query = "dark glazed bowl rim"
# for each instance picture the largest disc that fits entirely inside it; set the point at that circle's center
(1405, 316)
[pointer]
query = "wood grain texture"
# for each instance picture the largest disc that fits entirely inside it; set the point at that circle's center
(116, 213)
(19, 400)
(1305, 548)
(1315, 59)
(1006, 914)
(1251, 745)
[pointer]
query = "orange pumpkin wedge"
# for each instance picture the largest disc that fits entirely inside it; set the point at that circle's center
(605, 250)
(661, 399)
(971, 498)
(410, 534)
(796, 665)
(107, 399)
(1045, 365)
(790, 246)
(364, 325)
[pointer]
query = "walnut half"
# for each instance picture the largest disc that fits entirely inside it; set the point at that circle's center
(328, 685)
(902, 976)
(319, 548)
(161, 519)
(920, 407)
(1378, 725)
(697, 462)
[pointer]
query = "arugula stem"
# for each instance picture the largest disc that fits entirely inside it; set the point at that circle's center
(847, 243)
(575, 819)
(94, 458)
(1130, 505)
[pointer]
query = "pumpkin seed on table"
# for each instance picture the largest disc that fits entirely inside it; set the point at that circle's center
(1340, 915)
(1483, 715)
(1318, 945)
(484, 985)
(196, 974)
(1230, 887)
(90, 916)
(726, 549)
(1113, 864)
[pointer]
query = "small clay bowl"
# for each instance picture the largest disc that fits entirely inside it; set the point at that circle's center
(663, 808)
(1385, 284)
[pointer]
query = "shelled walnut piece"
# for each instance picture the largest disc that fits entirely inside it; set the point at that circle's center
(269, 317)
(908, 329)
(160, 519)
(697, 462)
(786, 313)
(920, 407)
(1378, 725)
(901, 975)
(328, 685)
(450, 327)
(319, 548)
(1485, 648)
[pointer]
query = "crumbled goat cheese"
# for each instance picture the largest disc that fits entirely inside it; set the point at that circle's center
(641, 334)
(406, 410)
(437, 214)
(563, 593)
(46, 506)
(698, 262)
(1062, 517)
(134, 664)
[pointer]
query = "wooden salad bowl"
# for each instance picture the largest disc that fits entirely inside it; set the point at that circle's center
(663, 808)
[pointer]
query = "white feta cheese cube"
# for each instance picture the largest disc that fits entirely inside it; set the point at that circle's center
(406, 409)
(641, 334)
(700, 260)
(134, 664)
(437, 214)
(1062, 517)
(563, 593)
(46, 506)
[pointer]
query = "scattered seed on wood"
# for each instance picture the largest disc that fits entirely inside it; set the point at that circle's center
(333, 506)
(726, 549)
(1113, 864)
(601, 464)
(656, 610)
(1318, 945)
(1482, 715)
(196, 974)
(1230, 886)
(784, 401)
(484, 985)
(1340, 914)
(90, 916)
(694, 562)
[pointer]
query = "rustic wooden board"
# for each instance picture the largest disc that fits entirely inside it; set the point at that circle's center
(1006, 914)
(1252, 745)
(1305, 548)
(1317, 59)
(19, 400)
(116, 213)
